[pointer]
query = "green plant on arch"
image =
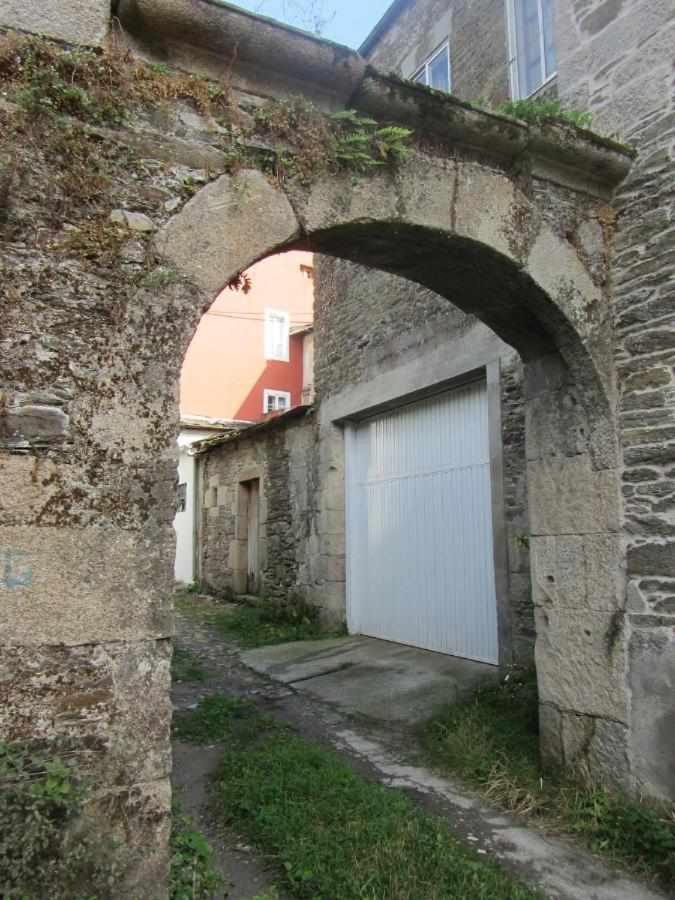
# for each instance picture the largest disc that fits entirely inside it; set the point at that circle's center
(539, 111)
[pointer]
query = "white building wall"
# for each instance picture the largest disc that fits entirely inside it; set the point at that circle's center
(185, 523)
(308, 368)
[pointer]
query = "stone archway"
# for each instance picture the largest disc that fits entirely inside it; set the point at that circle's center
(503, 220)
(472, 234)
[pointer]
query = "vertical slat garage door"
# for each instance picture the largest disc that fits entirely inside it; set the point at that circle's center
(420, 563)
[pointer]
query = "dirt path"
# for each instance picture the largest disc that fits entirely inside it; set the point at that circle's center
(383, 753)
(246, 873)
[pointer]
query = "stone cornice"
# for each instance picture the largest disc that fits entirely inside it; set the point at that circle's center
(557, 151)
(265, 58)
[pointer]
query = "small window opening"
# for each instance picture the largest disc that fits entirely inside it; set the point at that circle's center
(435, 71)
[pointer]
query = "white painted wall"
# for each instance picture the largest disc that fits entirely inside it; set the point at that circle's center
(185, 522)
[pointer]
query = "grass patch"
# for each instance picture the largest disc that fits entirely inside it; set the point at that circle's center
(271, 623)
(218, 718)
(193, 875)
(491, 741)
(186, 666)
(260, 623)
(337, 835)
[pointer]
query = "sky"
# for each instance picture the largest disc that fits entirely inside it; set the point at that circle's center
(344, 21)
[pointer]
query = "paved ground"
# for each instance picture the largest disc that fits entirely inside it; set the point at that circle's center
(378, 750)
(385, 681)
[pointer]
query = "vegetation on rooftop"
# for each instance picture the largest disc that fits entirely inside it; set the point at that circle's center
(107, 87)
(491, 741)
(98, 87)
(539, 111)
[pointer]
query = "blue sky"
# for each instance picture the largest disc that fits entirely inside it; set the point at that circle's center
(345, 21)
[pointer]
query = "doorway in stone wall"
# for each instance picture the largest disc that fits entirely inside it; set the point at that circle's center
(251, 515)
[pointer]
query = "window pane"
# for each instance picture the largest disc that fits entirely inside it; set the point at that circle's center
(527, 37)
(547, 10)
(421, 76)
(439, 71)
(278, 337)
(281, 402)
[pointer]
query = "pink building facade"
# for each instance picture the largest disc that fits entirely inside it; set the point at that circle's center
(246, 358)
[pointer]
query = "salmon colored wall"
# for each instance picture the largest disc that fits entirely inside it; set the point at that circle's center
(281, 376)
(225, 371)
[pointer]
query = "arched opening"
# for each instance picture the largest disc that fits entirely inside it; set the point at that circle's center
(248, 360)
(495, 254)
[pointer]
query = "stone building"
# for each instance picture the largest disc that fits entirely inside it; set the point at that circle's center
(374, 333)
(254, 530)
(557, 241)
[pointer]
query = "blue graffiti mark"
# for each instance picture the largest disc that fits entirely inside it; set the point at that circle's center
(15, 572)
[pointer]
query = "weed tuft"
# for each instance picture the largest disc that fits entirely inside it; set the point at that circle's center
(100, 87)
(218, 718)
(272, 621)
(542, 111)
(492, 741)
(316, 143)
(96, 240)
(186, 666)
(44, 849)
(193, 875)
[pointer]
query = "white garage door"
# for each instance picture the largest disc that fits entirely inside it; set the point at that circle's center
(420, 568)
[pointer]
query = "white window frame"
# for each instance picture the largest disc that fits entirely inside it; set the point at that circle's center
(271, 351)
(514, 76)
(269, 393)
(424, 68)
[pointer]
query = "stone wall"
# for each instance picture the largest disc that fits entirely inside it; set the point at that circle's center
(616, 60)
(476, 30)
(281, 454)
(92, 336)
(516, 508)
(77, 21)
(367, 321)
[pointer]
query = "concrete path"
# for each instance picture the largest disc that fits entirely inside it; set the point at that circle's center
(386, 752)
(385, 681)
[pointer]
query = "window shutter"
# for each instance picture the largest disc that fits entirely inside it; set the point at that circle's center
(276, 335)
